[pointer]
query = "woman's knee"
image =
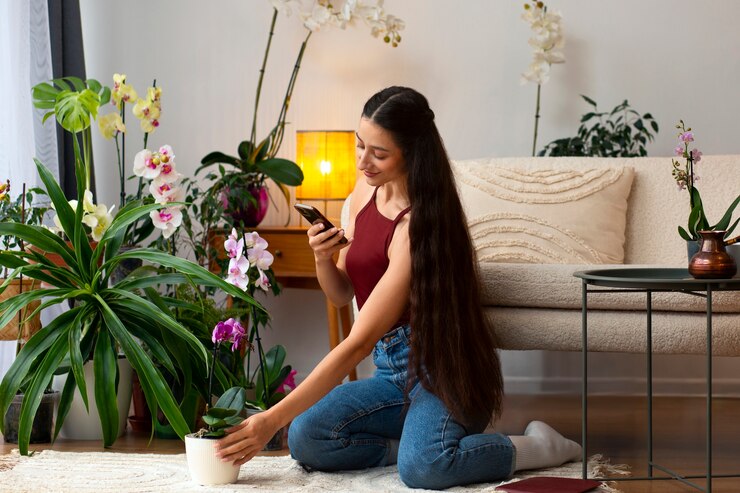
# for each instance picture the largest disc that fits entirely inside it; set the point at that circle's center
(418, 471)
(304, 434)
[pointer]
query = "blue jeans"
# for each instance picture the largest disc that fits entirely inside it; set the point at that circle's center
(358, 425)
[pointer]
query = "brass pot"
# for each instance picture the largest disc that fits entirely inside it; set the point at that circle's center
(712, 260)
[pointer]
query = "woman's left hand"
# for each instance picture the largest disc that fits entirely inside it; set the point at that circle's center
(245, 440)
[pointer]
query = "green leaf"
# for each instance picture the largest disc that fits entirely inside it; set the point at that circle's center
(41, 238)
(105, 369)
(64, 211)
(217, 157)
(65, 404)
(151, 380)
(245, 150)
(589, 100)
(153, 313)
(219, 413)
(75, 354)
(724, 222)
(33, 349)
(233, 400)
(281, 171)
(75, 110)
(34, 394)
(200, 275)
(214, 422)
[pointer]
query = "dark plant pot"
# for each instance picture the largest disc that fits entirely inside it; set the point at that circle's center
(692, 248)
(126, 266)
(141, 420)
(43, 422)
(242, 210)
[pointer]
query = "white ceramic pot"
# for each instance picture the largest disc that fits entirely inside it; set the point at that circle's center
(205, 468)
(79, 425)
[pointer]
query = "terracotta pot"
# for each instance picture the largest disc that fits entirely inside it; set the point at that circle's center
(11, 331)
(205, 468)
(141, 420)
(57, 260)
(712, 260)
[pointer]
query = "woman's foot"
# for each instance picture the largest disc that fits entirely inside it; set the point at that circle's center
(542, 446)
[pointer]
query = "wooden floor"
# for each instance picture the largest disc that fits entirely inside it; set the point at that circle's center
(617, 429)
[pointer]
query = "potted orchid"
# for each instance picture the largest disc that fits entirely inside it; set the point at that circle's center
(205, 468)
(242, 188)
(685, 175)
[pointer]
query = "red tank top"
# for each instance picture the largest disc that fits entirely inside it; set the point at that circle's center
(367, 259)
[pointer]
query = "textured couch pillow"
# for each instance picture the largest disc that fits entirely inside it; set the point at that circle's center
(554, 215)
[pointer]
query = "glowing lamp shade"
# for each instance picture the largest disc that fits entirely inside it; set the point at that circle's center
(327, 159)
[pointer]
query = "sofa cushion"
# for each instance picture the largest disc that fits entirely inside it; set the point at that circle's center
(545, 215)
(554, 286)
(612, 331)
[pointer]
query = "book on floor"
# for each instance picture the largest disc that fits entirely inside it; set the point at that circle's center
(545, 484)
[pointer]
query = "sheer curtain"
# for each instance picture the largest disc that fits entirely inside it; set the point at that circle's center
(25, 60)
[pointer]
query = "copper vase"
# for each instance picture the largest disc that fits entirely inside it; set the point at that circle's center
(712, 260)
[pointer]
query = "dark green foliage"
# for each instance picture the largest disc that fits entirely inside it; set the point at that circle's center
(622, 132)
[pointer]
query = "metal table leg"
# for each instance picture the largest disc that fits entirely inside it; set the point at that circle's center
(649, 351)
(584, 378)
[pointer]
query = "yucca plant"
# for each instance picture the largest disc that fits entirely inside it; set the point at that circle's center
(104, 319)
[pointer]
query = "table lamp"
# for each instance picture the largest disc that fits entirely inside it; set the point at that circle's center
(327, 159)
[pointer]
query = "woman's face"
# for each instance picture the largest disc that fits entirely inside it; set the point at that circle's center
(378, 156)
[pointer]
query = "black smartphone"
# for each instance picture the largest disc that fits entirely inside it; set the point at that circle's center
(314, 216)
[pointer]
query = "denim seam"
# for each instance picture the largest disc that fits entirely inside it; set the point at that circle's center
(343, 424)
(474, 449)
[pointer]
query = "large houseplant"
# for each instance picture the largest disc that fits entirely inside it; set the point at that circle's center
(104, 319)
(242, 187)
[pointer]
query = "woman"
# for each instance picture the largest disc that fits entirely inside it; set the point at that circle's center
(410, 264)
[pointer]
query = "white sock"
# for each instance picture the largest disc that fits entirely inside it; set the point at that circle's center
(541, 446)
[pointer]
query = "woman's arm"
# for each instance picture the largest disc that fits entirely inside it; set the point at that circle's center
(333, 276)
(385, 305)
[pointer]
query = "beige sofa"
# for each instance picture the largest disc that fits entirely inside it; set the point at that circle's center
(536, 221)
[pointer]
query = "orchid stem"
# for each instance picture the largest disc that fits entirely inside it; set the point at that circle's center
(262, 76)
(536, 120)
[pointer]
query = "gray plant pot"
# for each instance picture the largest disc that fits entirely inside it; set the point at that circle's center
(43, 422)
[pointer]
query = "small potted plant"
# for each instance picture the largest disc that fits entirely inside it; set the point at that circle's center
(685, 175)
(205, 468)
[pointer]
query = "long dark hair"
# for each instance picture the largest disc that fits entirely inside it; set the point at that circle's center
(453, 349)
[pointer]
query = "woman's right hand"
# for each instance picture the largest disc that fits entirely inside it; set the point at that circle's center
(325, 243)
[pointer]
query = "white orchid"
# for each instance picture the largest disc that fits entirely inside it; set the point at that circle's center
(318, 14)
(241, 261)
(99, 221)
(286, 6)
(97, 217)
(164, 192)
(547, 41)
(168, 219)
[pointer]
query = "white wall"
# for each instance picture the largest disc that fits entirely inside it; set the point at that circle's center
(673, 58)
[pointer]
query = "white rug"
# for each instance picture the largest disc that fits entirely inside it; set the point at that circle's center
(51, 471)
